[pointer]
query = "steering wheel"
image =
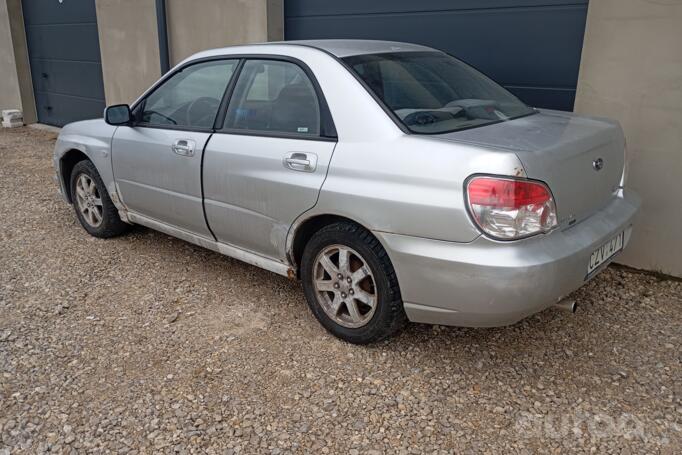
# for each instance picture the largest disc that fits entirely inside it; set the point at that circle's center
(150, 112)
(200, 110)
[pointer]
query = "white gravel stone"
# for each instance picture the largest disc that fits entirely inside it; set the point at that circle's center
(147, 344)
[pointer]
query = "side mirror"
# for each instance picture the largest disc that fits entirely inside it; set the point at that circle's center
(118, 114)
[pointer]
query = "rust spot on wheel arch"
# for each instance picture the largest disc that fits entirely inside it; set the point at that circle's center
(291, 274)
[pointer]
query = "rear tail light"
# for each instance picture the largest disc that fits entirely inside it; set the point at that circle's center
(507, 208)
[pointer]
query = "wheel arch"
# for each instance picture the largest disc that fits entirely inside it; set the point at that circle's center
(305, 228)
(66, 164)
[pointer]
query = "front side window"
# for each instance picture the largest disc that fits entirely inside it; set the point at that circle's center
(190, 98)
(432, 92)
(274, 96)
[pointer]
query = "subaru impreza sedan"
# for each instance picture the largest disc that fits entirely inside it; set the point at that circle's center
(394, 181)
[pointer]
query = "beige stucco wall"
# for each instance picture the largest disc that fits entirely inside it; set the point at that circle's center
(16, 89)
(9, 82)
(197, 25)
(275, 12)
(129, 41)
(129, 45)
(631, 70)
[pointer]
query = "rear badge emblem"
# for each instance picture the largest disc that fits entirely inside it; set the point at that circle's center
(598, 164)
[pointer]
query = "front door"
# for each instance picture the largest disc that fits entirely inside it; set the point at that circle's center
(157, 161)
(266, 166)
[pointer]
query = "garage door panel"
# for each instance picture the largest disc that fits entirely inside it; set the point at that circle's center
(560, 99)
(63, 48)
(362, 7)
(532, 47)
(64, 42)
(56, 109)
(69, 78)
(56, 12)
(503, 44)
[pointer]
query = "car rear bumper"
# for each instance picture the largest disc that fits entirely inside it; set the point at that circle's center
(486, 283)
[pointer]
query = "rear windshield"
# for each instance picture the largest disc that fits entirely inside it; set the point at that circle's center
(432, 92)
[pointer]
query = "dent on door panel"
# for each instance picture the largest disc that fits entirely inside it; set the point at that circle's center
(251, 198)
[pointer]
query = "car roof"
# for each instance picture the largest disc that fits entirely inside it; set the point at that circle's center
(347, 47)
(337, 47)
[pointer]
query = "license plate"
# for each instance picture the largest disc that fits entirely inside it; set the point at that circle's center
(605, 252)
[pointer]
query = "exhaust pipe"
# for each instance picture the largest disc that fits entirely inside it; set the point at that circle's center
(567, 305)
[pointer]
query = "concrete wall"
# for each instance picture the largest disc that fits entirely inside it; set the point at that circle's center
(129, 41)
(275, 12)
(9, 82)
(16, 88)
(129, 45)
(197, 25)
(631, 70)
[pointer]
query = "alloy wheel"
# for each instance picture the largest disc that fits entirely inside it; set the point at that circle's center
(345, 286)
(88, 200)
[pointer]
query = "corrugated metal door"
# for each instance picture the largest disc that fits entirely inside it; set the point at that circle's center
(532, 47)
(63, 49)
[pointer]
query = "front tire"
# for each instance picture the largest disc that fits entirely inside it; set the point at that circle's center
(350, 284)
(94, 208)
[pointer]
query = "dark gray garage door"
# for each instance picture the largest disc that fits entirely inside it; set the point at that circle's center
(532, 47)
(63, 48)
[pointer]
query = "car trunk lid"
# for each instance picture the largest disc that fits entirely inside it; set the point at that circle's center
(580, 158)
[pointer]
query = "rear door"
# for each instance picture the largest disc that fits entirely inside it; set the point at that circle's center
(157, 161)
(267, 164)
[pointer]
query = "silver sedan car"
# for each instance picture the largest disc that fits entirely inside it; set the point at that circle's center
(396, 182)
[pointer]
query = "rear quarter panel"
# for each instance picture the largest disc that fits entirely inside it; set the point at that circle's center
(410, 185)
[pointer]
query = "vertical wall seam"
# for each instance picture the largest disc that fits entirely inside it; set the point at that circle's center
(21, 60)
(274, 15)
(161, 25)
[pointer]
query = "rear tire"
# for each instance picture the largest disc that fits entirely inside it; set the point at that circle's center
(94, 208)
(350, 284)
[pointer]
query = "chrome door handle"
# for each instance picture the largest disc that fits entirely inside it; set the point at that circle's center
(299, 161)
(184, 147)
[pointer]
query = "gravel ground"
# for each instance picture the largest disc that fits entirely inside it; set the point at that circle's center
(147, 344)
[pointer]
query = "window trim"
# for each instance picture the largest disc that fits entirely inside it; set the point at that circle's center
(327, 133)
(140, 103)
(227, 96)
(367, 88)
(327, 126)
(276, 134)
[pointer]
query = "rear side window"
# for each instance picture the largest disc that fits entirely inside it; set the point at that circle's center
(191, 97)
(274, 96)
